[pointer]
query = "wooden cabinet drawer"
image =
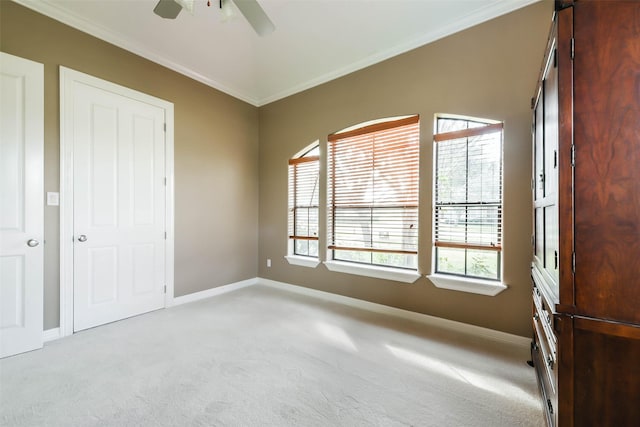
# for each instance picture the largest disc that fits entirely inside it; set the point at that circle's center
(547, 391)
(544, 353)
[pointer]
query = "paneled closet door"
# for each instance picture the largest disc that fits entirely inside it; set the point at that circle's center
(118, 205)
(21, 204)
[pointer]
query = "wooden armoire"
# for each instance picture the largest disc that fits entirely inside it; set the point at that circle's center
(586, 232)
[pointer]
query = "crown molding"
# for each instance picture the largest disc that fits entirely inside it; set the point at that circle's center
(53, 11)
(487, 13)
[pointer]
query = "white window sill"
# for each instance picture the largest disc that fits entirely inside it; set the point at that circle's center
(474, 286)
(378, 272)
(302, 261)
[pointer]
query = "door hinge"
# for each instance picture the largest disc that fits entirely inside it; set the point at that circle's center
(573, 262)
(165, 289)
(164, 127)
(533, 103)
(573, 155)
(573, 48)
(165, 235)
(165, 181)
(555, 159)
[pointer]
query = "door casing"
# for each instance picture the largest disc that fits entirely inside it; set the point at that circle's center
(68, 78)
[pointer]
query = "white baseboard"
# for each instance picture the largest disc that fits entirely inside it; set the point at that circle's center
(54, 333)
(197, 296)
(51, 334)
(522, 343)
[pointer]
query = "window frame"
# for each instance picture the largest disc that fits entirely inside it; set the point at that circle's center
(302, 157)
(391, 272)
(467, 282)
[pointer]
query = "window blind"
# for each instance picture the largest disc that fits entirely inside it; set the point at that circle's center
(468, 197)
(303, 204)
(373, 193)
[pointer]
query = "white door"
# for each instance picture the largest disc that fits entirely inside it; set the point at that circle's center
(118, 205)
(21, 204)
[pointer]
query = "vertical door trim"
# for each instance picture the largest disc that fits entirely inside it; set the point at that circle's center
(68, 78)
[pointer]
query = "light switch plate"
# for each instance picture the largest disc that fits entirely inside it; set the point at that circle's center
(53, 199)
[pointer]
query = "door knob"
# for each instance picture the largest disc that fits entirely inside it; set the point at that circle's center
(82, 238)
(32, 243)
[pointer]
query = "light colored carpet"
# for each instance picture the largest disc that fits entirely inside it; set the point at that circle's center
(266, 357)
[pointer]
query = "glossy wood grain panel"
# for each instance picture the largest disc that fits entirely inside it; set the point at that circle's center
(565, 139)
(607, 172)
(607, 377)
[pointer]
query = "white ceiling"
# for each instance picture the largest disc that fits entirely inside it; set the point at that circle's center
(315, 40)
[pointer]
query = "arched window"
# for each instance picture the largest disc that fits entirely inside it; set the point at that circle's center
(373, 193)
(468, 197)
(303, 202)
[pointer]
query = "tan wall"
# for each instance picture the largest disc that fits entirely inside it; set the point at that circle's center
(216, 153)
(488, 71)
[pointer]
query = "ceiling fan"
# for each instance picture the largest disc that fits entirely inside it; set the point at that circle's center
(251, 10)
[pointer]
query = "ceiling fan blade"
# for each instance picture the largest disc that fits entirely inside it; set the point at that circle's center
(167, 9)
(187, 5)
(254, 13)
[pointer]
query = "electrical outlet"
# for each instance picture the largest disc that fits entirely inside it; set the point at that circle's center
(268, 262)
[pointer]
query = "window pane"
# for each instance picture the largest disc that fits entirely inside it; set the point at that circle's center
(352, 227)
(313, 222)
(306, 222)
(302, 222)
(395, 229)
(354, 256)
(484, 169)
(306, 248)
(450, 260)
(483, 226)
(451, 174)
(468, 199)
(301, 247)
(395, 260)
(313, 152)
(307, 184)
(450, 125)
(378, 258)
(482, 264)
(451, 223)
(313, 247)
